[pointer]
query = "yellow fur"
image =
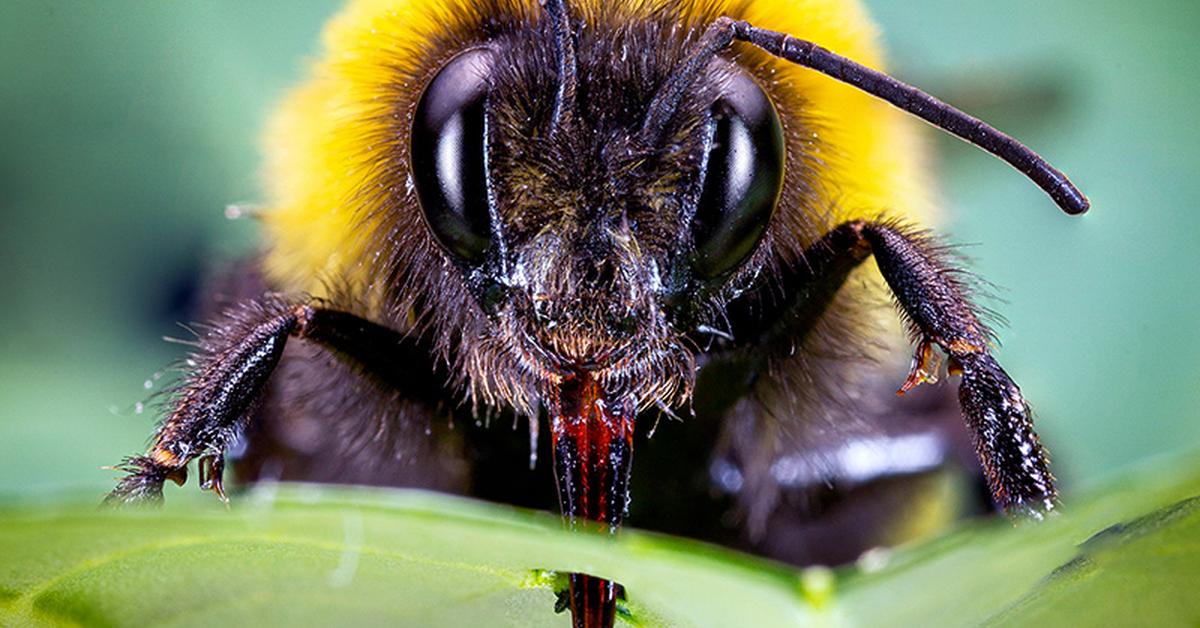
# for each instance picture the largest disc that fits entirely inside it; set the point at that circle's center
(315, 145)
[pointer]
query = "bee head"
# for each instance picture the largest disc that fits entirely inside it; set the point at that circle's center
(593, 230)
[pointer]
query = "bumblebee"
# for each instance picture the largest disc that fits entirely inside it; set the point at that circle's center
(590, 216)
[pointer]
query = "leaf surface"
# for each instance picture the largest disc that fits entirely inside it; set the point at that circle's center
(302, 555)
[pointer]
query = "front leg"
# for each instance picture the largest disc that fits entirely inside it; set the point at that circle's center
(1014, 461)
(236, 358)
(933, 302)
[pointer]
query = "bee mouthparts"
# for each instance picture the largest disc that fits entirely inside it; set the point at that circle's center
(592, 437)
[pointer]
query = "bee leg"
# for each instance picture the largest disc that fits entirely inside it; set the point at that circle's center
(933, 301)
(237, 356)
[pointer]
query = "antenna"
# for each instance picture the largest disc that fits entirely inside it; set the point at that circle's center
(564, 52)
(724, 31)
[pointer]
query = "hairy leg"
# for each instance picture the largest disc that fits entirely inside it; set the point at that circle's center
(236, 358)
(935, 303)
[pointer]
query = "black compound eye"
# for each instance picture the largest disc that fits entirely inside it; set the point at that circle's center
(743, 175)
(449, 155)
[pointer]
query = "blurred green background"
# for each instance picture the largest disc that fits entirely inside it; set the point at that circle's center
(127, 126)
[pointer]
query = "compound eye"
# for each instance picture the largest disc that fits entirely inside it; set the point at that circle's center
(449, 155)
(743, 175)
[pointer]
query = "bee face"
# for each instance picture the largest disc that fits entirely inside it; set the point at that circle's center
(586, 244)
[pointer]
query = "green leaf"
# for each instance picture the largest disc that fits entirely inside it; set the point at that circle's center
(1000, 573)
(309, 556)
(301, 555)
